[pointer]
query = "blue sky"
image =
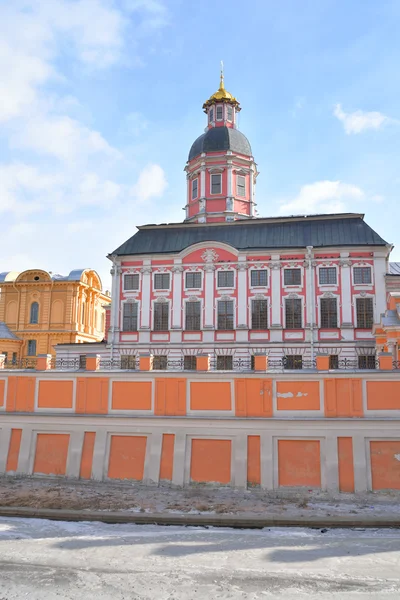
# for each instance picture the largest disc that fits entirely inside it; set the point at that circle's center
(100, 101)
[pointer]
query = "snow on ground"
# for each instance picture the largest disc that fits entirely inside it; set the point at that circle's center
(48, 560)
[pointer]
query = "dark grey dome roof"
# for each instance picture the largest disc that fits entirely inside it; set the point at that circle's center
(221, 138)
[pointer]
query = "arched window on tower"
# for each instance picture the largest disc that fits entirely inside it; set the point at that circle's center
(211, 115)
(220, 112)
(34, 313)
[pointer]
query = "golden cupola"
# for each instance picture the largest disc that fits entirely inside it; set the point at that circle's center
(222, 95)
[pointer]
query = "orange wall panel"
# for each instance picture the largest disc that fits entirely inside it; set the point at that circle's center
(167, 457)
(21, 394)
(13, 450)
(170, 397)
(297, 395)
(87, 455)
(253, 398)
(253, 459)
(299, 463)
(55, 394)
(385, 465)
(92, 395)
(346, 464)
(51, 453)
(127, 455)
(343, 398)
(2, 391)
(211, 461)
(131, 395)
(383, 395)
(210, 395)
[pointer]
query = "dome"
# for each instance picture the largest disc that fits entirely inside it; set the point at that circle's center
(221, 138)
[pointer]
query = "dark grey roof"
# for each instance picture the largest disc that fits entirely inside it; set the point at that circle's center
(221, 138)
(321, 231)
(391, 319)
(5, 333)
(394, 268)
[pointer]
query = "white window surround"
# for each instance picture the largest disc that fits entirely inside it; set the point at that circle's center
(195, 188)
(228, 298)
(334, 286)
(338, 304)
(260, 287)
(156, 301)
(241, 179)
(192, 289)
(134, 291)
(163, 290)
(303, 315)
(269, 308)
(224, 289)
(293, 287)
(220, 183)
(362, 286)
(121, 315)
(188, 301)
(219, 108)
(362, 295)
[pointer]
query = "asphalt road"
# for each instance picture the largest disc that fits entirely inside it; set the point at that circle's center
(56, 560)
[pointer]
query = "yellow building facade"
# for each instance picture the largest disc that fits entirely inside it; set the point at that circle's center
(39, 310)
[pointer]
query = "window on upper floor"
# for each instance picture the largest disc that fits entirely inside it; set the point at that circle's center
(14, 358)
(160, 363)
(220, 113)
(292, 276)
(334, 361)
(131, 282)
(226, 279)
(161, 316)
(82, 361)
(195, 187)
(259, 278)
(365, 313)
(229, 113)
(362, 275)
(211, 113)
(293, 361)
(5, 356)
(31, 347)
(216, 183)
(193, 280)
(161, 281)
(327, 276)
(293, 313)
(192, 316)
(241, 186)
(34, 316)
(224, 363)
(189, 363)
(367, 362)
(329, 318)
(128, 362)
(225, 314)
(259, 314)
(130, 316)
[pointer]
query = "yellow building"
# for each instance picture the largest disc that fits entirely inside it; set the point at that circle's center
(39, 310)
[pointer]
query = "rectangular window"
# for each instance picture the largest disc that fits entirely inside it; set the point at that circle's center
(230, 113)
(292, 276)
(328, 313)
(293, 313)
(293, 361)
(211, 115)
(14, 358)
(82, 361)
(131, 282)
(128, 361)
(161, 281)
(225, 314)
(224, 363)
(5, 356)
(220, 113)
(365, 313)
(334, 361)
(193, 280)
(192, 316)
(130, 316)
(31, 347)
(241, 186)
(161, 313)
(195, 184)
(362, 275)
(226, 279)
(259, 314)
(160, 363)
(189, 363)
(366, 362)
(327, 276)
(216, 183)
(259, 278)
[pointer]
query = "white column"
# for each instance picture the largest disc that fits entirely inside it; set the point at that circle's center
(209, 297)
(251, 189)
(347, 324)
(202, 190)
(177, 295)
(229, 180)
(276, 299)
(242, 322)
(146, 286)
(380, 286)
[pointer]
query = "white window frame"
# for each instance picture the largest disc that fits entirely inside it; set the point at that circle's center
(250, 311)
(303, 316)
(338, 306)
(260, 287)
(189, 289)
(122, 317)
(362, 286)
(294, 286)
(334, 286)
(354, 303)
(168, 303)
(195, 180)
(221, 106)
(168, 289)
(134, 290)
(234, 313)
(227, 114)
(187, 301)
(211, 184)
(224, 271)
(237, 186)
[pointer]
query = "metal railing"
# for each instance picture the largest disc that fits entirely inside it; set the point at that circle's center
(22, 363)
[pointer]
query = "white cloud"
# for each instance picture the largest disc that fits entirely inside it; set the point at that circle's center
(323, 197)
(359, 121)
(151, 183)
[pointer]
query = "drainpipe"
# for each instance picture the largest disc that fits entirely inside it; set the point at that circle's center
(311, 297)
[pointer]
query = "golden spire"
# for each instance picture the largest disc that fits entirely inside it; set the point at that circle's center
(222, 95)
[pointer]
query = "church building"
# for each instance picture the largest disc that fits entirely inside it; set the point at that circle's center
(230, 284)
